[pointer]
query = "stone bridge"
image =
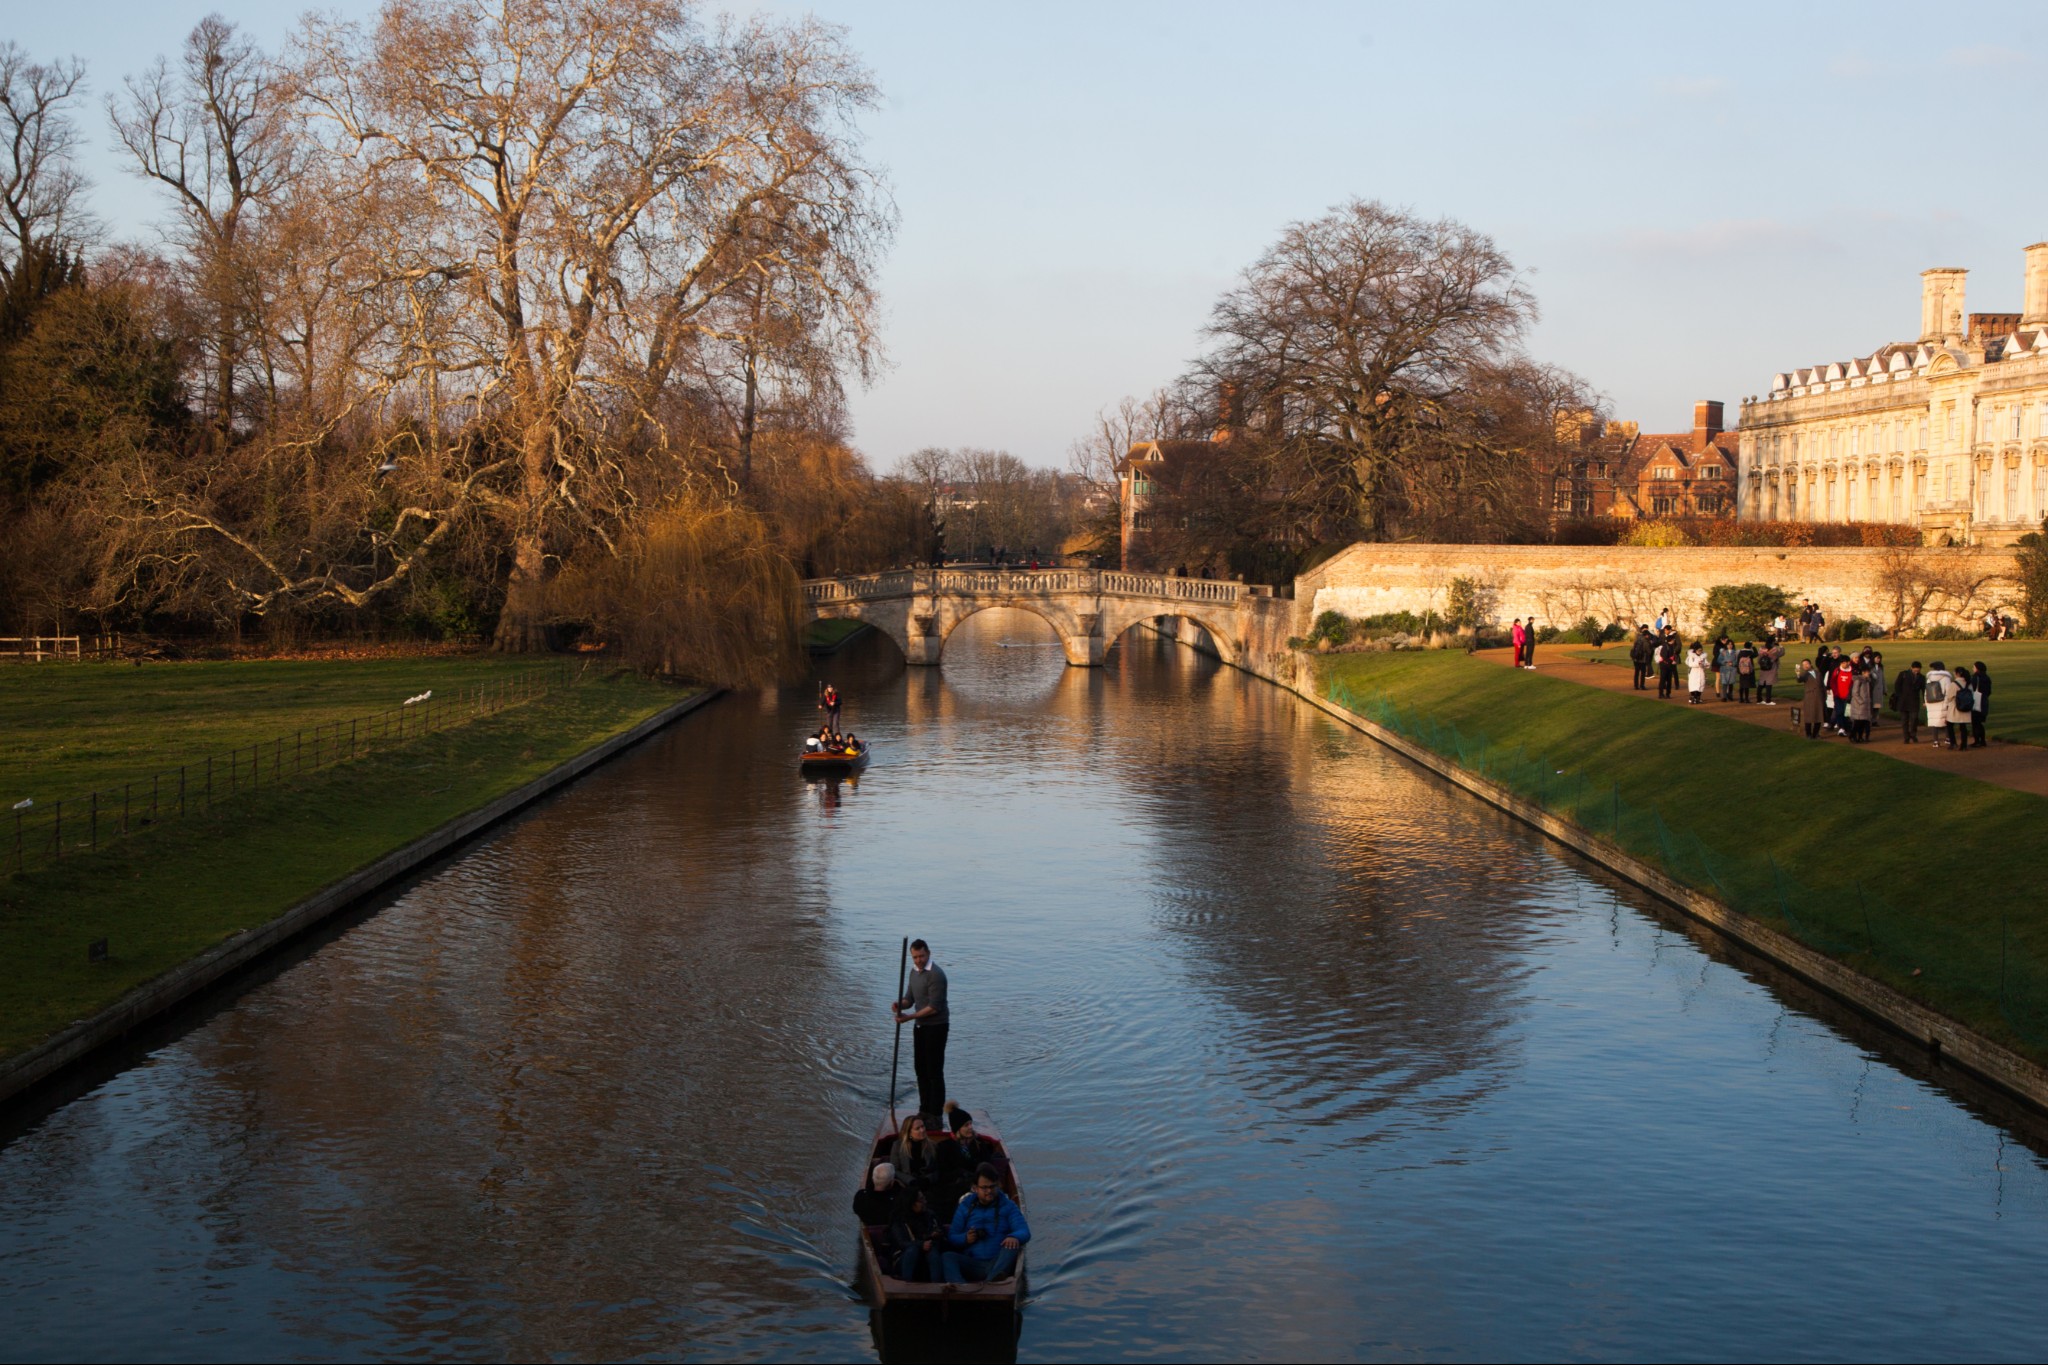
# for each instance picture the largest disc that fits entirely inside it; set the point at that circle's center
(1088, 609)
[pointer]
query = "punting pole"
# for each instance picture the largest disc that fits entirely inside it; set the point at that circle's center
(896, 1053)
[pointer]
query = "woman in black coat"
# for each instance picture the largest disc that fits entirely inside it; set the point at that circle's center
(1980, 683)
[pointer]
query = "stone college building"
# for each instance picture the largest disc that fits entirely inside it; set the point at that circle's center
(1948, 433)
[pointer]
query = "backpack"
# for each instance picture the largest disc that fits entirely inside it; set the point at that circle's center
(1966, 700)
(1935, 691)
(1745, 663)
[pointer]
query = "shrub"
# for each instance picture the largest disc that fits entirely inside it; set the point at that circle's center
(1463, 602)
(1746, 609)
(1333, 626)
(1661, 535)
(1946, 633)
(1855, 628)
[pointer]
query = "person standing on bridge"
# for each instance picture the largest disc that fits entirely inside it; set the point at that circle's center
(924, 1009)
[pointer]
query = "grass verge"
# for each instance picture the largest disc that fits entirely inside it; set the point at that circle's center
(166, 894)
(1928, 881)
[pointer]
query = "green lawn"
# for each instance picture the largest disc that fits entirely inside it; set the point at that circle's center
(2019, 674)
(1885, 865)
(165, 894)
(68, 728)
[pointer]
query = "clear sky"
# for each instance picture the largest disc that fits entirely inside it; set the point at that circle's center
(1701, 196)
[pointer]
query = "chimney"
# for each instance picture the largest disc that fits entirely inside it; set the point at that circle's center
(1706, 423)
(2037, 287)
(1229, 411)
(1941, 305)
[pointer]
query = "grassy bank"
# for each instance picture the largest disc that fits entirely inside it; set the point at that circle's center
(1928, 881)
(2019, 674)
(171, 892)
(68, 728)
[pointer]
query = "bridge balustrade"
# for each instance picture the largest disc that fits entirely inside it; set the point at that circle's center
(910, 582)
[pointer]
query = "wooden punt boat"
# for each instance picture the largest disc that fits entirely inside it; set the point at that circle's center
(886, 1291)
(824, 763)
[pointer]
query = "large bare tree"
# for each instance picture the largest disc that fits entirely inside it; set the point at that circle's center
(1355, 344)
(213, 133)
(596, 187)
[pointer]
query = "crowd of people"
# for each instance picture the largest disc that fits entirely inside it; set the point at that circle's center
(930, 1169)
(1840, 691)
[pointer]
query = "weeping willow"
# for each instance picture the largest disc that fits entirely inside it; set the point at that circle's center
(695, 591)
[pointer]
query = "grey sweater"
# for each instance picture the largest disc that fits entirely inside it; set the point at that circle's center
(928, 987)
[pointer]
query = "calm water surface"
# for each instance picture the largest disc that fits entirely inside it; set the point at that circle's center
(1304, 1054)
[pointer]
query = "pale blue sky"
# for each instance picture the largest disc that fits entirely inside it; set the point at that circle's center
(1701, 195)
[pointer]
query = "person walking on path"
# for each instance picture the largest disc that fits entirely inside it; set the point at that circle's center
(1695, 673)
(1862, 704)
(1516, 635)
(1667, 664)
(1813, 691)
(1745, 671)
(1906, 693)
(1962, 703)
(1767, 672)
(1877, 677)
(1839, 683)
(1724, 665)
(1642, 653)
(924, 1009)
(1939, 694)
(1980, 687)
(1529, 643)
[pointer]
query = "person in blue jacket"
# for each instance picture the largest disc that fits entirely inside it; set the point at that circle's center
(988, 1233)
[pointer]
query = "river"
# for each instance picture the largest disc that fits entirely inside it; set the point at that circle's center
(1303, 1054)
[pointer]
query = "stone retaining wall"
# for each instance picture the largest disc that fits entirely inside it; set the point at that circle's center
(1562, 584)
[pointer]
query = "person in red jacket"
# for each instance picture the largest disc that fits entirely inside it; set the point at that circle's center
(1839, 683)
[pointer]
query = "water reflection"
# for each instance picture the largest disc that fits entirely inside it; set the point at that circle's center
(1303, 1055)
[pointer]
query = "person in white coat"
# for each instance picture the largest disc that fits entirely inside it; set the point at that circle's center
(1696, 673)
(1940, 694)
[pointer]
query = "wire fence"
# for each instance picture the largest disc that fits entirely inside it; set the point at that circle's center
(1922, 948)
(82, 824)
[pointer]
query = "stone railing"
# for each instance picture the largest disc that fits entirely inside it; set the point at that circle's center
(1018, 583)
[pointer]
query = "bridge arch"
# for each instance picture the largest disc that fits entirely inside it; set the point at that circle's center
(1124, 618)
(1065, 626)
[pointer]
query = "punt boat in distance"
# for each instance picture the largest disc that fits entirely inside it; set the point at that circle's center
(826, 763)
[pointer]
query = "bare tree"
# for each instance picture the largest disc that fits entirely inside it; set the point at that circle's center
(41, 189)
(213, 133)
(1353, 344)
(594, 183)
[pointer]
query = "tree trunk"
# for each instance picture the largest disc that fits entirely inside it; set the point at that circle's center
(520, 625)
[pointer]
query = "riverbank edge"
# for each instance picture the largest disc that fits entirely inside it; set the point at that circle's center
(74, 1044)
(1947, 1041)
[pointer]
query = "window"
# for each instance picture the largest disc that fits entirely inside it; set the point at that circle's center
(1661, 506)
(1663, 471)
(2041, 422)
(2014, 433)
(1791, 500)
(1855, 440)
(1955, 425)
(1923, 435)
(2012, 509)
(1712, 471)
